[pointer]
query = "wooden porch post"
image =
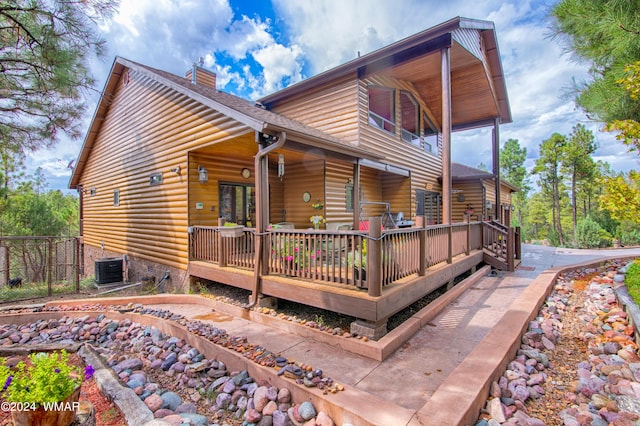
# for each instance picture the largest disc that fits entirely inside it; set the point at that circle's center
(356, 196)
(446, 134)
(49, 266)
(511, 245)
(496, 168)
(422, 265)
(221, 246)
(449, 244)
(374, 258)
(468, 250)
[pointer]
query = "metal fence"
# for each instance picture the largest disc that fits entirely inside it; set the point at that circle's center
(39, 265)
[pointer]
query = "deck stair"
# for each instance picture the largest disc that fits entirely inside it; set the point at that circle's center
(501, 246)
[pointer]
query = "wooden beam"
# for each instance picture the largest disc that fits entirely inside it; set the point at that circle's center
(446, 134)
(496, 167)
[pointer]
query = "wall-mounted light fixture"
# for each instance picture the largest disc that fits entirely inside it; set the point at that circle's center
(203, 175)
(489, 205)
(281, 166)
(176, 170)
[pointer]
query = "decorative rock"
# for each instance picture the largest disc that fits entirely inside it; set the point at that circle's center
(171, 400)
(307, 410)
(628, 403)
(260, 398)
(128, 364)
(187, 407)
(163, 412)
(252, 416)
(154, 402)
(324, 420)
(173, 419)
(195, 419)
(223, 400)
(494, 407)
(270, 408)
(284, 395)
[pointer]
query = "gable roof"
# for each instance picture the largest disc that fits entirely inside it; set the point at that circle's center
(479, 93)
(241, 110)
(463, 173)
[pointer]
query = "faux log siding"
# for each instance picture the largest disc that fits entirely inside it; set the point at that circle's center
(222, 166)
(397, 190)
(147, 129)
(330, 108)
(371, 187)
(277, 211)
(307, 176)
(472, 192)
(336, 177)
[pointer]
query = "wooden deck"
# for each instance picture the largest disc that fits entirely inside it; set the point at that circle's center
(319, 268)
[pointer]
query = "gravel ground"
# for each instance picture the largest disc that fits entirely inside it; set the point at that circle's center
(320, 316)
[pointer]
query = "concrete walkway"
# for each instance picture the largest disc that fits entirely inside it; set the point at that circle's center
(442, 355)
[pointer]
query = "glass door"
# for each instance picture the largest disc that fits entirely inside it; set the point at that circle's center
(428, 204)
(237, 203)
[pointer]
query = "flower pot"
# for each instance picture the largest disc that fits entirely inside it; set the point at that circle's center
(231, 231)
(60, 414)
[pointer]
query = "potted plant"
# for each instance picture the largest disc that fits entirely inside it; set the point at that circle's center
(317, 220)
(43, 389)
(358, 261)
(469, 210)
(231, 230)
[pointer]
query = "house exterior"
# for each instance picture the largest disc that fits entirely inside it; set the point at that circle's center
(169, 158)
(474, 195)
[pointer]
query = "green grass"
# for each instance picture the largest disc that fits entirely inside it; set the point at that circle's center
(632, 280)
(33, 290)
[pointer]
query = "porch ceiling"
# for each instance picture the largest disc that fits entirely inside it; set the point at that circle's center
(472, 91)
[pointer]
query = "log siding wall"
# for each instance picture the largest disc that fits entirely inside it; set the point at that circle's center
(148, 129)
(331, 108)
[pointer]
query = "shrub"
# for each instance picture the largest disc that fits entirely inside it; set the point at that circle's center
(632, 280)
(629, 232)
(589, 234)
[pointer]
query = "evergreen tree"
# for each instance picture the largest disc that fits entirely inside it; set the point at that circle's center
(548, 168)
(512, 169)
(577, 162)
(606, 34)
(44, 53)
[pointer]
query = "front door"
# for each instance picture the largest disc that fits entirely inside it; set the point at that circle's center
(237, 203)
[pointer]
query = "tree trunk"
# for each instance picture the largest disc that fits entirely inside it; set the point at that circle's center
(556, 200)
(574, 207)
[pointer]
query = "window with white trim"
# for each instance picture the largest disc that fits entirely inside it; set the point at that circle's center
(381, 108)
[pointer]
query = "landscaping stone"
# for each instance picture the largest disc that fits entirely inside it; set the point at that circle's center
(134, 351)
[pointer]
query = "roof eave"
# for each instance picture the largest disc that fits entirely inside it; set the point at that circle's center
(96, 121)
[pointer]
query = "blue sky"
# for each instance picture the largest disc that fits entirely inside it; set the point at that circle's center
(257, 47)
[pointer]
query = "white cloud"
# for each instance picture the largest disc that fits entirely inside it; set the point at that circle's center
(257, 55)
(280, 65)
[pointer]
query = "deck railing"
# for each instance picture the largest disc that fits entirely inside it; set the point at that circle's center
(343, 257)
(502, 244)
